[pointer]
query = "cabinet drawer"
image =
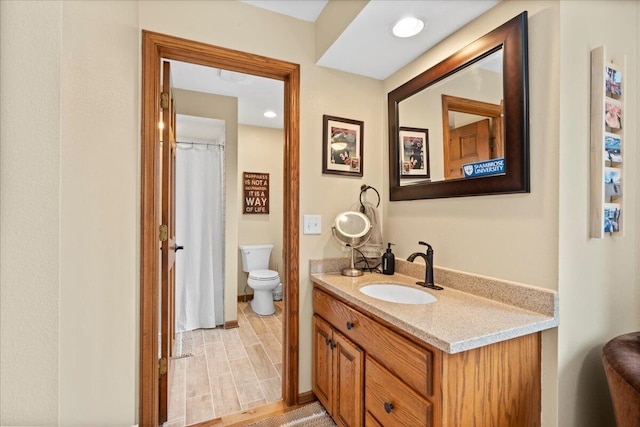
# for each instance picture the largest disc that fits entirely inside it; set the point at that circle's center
(391, 402)
(370, 421)
(411, 363)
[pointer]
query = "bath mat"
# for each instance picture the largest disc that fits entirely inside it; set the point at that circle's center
(311, 415)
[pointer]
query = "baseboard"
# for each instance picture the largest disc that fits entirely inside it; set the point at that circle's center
(256, 414)
(306, 397)
(245, 298)
(231, 324)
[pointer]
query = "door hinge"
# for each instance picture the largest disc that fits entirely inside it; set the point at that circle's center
(164, 100)
(164, 233)
(162, 366)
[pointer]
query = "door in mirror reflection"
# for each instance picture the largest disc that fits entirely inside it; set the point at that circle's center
(466, 144)
(472, 135)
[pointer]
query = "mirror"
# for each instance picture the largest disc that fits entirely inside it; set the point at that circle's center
(352, 229)
(461, 127)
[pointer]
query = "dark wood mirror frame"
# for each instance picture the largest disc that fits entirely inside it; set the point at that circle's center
(512, 38)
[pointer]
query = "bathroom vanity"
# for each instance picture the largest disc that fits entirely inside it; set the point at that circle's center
(463, 360)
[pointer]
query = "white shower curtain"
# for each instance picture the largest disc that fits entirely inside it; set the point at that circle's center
(200, 229)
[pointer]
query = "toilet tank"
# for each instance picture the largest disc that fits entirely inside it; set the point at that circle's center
(255, 257)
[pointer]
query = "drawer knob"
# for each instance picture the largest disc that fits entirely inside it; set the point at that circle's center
(388, 407)
(350, 325)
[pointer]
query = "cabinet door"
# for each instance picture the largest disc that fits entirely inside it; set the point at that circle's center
(322, 374)
(348, 401)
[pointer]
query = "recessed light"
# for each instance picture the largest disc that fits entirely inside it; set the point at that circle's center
(408, 27)
(234, 77)
(270, 114)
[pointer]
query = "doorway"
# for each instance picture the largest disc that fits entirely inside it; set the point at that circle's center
(155, 48)
(219, 135)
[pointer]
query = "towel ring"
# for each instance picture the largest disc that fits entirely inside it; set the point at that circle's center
(363, 189)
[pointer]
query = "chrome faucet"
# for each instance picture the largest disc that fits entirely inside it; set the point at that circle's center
(428, 259)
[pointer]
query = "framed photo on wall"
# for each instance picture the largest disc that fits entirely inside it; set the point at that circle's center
(342, 147)
(414, 153)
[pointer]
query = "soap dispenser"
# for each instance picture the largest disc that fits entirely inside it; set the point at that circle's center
(388, 261)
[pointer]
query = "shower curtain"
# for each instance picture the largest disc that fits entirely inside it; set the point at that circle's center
(200, 229)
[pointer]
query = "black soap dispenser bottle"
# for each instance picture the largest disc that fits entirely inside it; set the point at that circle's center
(388, 261)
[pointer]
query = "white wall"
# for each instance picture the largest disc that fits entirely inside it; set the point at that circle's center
(99, 212)
(29, 211)
(598, 277)
(222, 108)
(512, 237)
(260, 150)
(70, 212)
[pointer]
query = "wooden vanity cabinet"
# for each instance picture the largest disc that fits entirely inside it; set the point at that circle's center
(409, 382)
(338, 375)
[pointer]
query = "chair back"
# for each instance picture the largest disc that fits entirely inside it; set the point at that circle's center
(621, 358)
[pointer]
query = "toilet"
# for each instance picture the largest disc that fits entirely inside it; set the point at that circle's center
(255, 261)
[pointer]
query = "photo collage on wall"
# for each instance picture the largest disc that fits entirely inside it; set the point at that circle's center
(613, 143)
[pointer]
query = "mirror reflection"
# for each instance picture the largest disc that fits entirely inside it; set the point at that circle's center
(453, 129)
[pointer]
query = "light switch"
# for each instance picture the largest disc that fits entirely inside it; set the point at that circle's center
(312, 224)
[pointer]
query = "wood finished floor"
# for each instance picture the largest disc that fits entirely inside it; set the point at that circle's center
(221, 371)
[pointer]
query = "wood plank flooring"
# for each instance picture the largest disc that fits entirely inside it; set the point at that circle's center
(221, 371)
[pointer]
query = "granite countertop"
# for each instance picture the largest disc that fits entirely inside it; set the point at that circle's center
(458, 320)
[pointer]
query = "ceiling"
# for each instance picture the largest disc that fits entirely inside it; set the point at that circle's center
(366, 47)
(255, 94)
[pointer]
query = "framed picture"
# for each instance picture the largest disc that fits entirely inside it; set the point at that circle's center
(414, 152)
(342, 148)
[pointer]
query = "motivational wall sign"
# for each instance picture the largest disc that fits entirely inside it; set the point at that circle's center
(256, 192)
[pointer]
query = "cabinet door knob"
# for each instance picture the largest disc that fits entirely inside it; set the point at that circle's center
(388, 407)
(350, 325)
(327, 341)
(332, 345)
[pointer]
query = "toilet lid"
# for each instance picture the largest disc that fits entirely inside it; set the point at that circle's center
(263, 275)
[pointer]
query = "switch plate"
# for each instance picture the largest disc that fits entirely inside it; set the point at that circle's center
(312, 224)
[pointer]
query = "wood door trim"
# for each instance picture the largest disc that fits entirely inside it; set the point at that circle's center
(470, 106)
(154, 47)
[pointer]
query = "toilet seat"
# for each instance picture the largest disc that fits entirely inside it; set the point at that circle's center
(263, 275)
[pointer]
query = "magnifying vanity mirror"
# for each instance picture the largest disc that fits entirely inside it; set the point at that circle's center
(461, 127)
(353, 230)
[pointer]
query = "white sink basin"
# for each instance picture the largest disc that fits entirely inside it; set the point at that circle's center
(397, 293)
